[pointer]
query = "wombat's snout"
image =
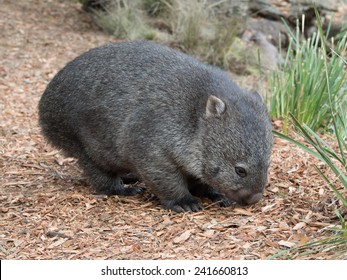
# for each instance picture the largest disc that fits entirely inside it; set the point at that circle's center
(244, 197)
(252, 199)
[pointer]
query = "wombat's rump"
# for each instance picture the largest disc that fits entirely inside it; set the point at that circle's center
(182, 127)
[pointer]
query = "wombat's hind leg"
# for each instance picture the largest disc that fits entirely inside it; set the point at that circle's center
(105, 182)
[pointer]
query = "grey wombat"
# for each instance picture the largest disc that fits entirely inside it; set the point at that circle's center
(182, 127)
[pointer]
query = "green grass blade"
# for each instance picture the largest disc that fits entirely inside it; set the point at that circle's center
(305, 148)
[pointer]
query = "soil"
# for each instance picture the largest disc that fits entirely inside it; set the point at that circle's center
(48, 212)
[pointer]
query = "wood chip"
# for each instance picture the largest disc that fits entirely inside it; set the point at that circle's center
(57, 243)
(267, 207)
(183, 237)
(242, 211)
(286, 244)
(299, 225)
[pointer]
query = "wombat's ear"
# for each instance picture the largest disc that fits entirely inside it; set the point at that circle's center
(215, 107)
(257, 96)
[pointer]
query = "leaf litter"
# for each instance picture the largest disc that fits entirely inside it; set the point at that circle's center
(47, 210)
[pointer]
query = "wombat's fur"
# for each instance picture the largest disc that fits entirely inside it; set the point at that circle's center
(180, 126)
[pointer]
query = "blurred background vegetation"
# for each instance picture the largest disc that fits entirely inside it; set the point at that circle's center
(215, 31)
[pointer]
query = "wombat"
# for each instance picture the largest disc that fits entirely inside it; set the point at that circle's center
(182, 127)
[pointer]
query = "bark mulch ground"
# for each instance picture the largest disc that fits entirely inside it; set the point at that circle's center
(47, 210)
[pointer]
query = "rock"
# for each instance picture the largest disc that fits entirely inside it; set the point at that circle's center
(269, 56)
(303, 7)
(244, 62)
(241, 62)
(275, 31)
(265, 9)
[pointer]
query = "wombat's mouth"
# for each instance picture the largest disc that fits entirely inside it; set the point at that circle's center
(254, 198)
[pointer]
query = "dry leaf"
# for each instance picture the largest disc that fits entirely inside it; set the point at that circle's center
(308, 216)
(183, 237)
(261, 228)
(304, 240)
(299, 225)
(267, 207)
(210, 224)
(57, 243)
(321, 192)
(208, 233)
(167, 221)
(286, 244)
(89, 206)
(274, 190)
(243, 211)
(17, 242)
(283, 226)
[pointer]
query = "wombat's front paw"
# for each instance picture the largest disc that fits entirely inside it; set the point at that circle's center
(133, 190)
(225, 202)
(187, 204)
(214, 195)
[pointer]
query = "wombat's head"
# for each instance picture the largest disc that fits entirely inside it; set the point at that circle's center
(237, 143)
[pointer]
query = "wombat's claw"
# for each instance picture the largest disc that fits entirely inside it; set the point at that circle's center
(185, 205)
(186, 208)
(224, 202)
(132, 190)
(215, 196)
(152, 197)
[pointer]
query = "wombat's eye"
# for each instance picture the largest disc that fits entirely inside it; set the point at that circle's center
(241, 171)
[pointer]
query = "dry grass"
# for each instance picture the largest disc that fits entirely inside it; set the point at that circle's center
(46, 210)
(198, 27)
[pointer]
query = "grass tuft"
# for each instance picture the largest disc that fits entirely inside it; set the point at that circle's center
(332, 102)
(124, 19)
(310, 81)
(199, 27)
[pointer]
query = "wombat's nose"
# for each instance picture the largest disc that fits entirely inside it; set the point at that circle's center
(254, 198)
